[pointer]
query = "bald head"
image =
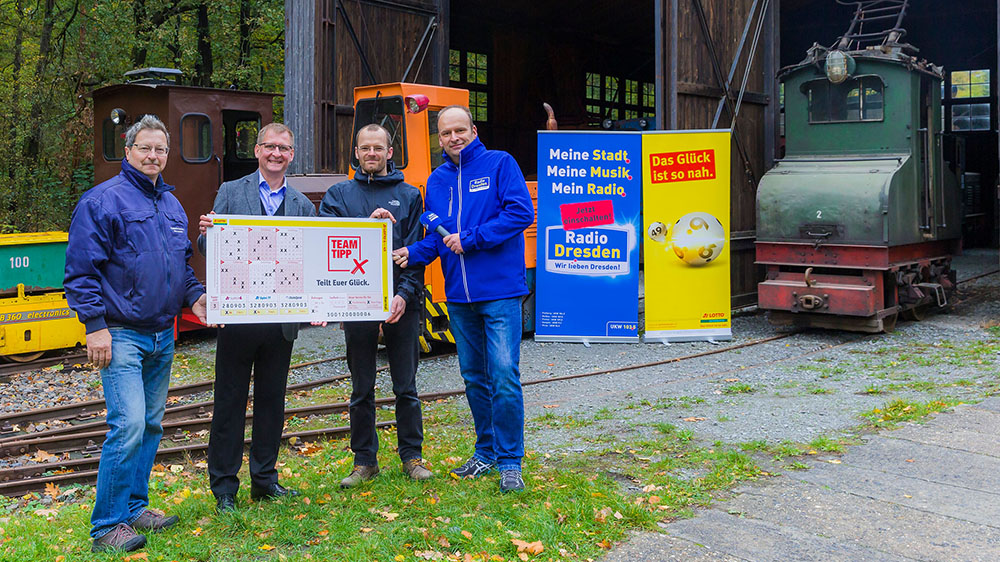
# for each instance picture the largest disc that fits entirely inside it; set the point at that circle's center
(455, 130)
(460, 108)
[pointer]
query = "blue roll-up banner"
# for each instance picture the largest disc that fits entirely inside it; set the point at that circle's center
(589, 197)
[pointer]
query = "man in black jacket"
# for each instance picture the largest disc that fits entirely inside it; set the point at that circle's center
(378, 191)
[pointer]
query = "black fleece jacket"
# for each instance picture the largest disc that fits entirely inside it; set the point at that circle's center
(360, 196)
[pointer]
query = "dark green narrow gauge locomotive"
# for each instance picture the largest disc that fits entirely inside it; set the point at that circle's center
(857, 224)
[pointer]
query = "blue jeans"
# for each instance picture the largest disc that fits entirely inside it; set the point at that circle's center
(488, 338)
(135, 389)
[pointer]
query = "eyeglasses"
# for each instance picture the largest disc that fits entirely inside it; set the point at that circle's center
(143, 149)
(378, 149)
(271, 147)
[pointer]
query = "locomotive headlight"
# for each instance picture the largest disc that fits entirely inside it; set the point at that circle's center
(118, 116)
(839, 66)
(416, 103)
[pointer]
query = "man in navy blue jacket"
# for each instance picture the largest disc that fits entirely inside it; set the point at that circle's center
(484, 206)
(127, 278)
(378, 190)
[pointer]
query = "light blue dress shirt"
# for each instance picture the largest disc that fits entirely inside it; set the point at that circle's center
(271, 199)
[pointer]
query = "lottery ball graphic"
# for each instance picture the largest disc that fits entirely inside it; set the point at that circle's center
(697, 238)
(657, 232)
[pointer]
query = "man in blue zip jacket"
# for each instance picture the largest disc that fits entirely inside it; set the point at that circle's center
(484, 206)
(127, 278)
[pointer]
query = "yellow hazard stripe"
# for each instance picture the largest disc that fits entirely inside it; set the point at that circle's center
(436, 310)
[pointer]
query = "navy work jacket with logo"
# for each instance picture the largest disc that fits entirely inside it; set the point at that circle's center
(127, 258)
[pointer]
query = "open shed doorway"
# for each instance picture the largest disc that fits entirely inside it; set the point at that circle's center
(961, 37)
(590, 60)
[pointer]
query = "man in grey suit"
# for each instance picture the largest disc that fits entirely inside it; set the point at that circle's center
(264, 349)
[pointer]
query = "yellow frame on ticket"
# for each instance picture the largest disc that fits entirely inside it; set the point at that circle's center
(298, 269)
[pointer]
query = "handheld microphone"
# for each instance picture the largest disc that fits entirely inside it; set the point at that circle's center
(433, 222)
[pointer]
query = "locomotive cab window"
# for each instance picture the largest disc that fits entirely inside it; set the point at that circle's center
(196, 138)
(387, 112)
(239, 136)
(113, 140)
(246, 138)
(432, 128)
(854, 100)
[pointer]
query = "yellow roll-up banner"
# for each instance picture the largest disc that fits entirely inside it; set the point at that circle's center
(685, 206)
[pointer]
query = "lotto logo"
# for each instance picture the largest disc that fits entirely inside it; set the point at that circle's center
(344, 253)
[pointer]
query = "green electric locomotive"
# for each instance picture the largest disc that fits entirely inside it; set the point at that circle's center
(857, 224)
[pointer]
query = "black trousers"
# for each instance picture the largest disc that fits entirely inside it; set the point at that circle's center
(403, 348)
(240, 349)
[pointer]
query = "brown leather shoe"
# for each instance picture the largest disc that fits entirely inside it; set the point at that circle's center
(415, 469)
(359, 475)
(120, 537)
(153, 520)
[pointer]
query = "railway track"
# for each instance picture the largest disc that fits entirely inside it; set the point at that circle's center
(92, 408)
(85, 470)
(81, 357)
(89, 410)
(183, 420)
(20, 480)
(980, 276)
(14, 368)
(189, 418)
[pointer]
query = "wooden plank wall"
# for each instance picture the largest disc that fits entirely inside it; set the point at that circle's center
(388, 32)
(301, 53)
(541, 52)
(697, 97)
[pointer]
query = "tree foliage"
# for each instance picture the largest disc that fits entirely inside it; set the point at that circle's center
(53, 53)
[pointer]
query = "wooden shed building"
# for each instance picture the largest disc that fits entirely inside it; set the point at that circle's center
(670, 61)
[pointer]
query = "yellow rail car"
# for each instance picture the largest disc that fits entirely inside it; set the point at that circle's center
(34, 314)
(33, 324)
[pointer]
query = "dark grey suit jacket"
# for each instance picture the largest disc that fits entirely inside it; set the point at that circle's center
(242, 197)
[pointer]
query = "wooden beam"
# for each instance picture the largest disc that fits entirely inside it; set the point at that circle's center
(742, 240)
(339, 108)
(301, 69)
(411, 6)
(772, 62)
(706, 91)
(439, 48)
(665, 15)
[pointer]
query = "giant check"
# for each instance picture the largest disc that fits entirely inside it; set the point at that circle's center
(298, 269)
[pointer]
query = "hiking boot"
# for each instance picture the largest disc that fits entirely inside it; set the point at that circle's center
(153, 520)
(415, 469)
(473, 468)
(120, 537)
(359, 475)
(511, 481)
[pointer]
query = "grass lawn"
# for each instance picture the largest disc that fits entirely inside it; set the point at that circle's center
(574, 507)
